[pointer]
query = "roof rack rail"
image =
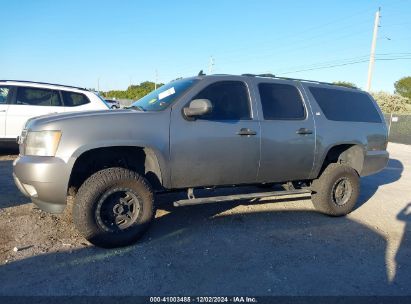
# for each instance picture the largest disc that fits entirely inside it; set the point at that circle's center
(46, 83)
(307, 80)
(287, 78)
(259, 75)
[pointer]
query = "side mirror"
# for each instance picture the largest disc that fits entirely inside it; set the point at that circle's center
(198, 107)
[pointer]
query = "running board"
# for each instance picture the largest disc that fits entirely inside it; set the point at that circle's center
(226, 198)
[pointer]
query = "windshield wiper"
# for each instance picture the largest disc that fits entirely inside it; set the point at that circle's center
(136, 108)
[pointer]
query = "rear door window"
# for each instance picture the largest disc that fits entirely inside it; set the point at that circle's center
(281, 102)
(38, 97)
(341, 105)
(72, 99)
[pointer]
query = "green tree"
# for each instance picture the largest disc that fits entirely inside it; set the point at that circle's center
(346, 84)
(391, 103)
(403, 87)
(133, 92)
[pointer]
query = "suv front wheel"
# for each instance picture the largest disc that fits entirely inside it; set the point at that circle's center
(336, 191)
(113, 207)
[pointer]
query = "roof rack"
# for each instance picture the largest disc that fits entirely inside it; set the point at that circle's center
(287, 78)
(46, 83)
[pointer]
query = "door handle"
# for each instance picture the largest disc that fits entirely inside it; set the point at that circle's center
(246, 132)
(304, 131)
(2, 111)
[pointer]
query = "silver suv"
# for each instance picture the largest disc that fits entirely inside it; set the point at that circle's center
(199, 132)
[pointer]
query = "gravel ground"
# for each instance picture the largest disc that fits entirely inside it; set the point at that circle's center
(269, 247)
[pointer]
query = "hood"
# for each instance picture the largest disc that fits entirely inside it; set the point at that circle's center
(102, 115)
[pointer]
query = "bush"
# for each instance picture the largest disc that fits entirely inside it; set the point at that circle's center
(391, 103)
(133, 92)
(403, 87)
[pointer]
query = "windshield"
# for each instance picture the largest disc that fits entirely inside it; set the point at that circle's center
(161, 98)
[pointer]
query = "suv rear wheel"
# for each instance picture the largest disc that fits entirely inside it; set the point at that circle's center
(113, 207)
(336, 191)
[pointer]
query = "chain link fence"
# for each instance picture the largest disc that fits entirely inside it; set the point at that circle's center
(399, 127)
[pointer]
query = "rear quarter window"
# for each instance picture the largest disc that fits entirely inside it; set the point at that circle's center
(72, 99)
(341, 105)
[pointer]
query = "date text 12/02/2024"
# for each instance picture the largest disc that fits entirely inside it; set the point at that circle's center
(240, 299)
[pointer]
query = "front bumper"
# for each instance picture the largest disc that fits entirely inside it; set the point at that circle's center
(44, 180)
(374, 161)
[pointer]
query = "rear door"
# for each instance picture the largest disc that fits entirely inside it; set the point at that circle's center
(287, 132)
(30, 102)
(5, 95)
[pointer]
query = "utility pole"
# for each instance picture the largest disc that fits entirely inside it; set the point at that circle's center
(211, 65)
(156, 80)
(373, 45)
(98, 84)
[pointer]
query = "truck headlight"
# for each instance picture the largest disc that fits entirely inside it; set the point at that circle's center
(42, 143)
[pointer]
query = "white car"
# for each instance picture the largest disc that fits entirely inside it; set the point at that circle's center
(21, 100)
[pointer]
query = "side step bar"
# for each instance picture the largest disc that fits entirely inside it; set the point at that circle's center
(226, 198)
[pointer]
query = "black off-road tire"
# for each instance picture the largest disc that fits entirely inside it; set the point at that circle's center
(99, 188)
(324, 190)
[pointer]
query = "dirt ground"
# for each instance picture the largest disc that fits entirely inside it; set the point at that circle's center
(275, 246)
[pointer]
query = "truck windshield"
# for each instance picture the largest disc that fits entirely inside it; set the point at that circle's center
(161, 98)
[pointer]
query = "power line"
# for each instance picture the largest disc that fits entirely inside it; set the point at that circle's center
(325, 67)
(317, 30)
(385, 54)
(339, 61)
(393, 59)
(318, 64)
(296, 38)
(345, 64)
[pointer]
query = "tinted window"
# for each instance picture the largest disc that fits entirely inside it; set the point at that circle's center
(281, 101)
(74, 99)
(4, 94)
(343, 105)
(229, 99)
(37, 97)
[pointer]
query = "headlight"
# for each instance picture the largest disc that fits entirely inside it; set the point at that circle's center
(42, 143)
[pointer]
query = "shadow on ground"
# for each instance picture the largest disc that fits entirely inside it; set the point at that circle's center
(189, 251)
(10, 196)
(403, 256)
(199, 250)
(370, 184)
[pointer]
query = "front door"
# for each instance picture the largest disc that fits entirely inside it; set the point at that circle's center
(287, 133)
(219, 148)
